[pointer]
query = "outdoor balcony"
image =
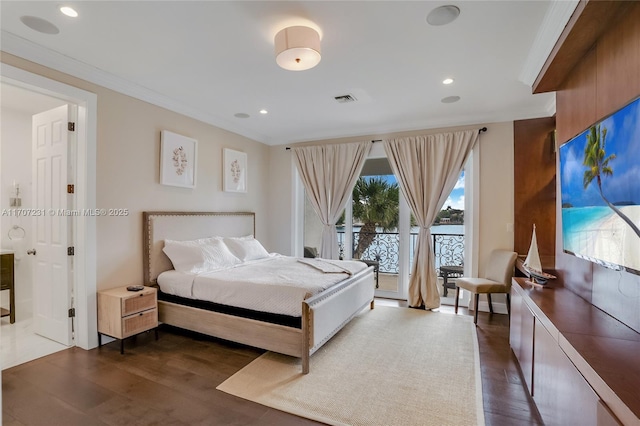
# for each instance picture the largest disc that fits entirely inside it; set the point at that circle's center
(384, 249)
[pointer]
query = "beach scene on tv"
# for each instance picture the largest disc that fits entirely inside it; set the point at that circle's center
(600, 191)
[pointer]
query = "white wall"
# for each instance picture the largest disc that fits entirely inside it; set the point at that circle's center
(496, 190)
(128, 174)
(15, 143)
(280, 209)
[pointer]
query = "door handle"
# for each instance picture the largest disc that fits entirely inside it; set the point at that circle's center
(32, 251)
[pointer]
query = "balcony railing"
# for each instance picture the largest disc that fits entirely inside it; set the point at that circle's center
(448, 249)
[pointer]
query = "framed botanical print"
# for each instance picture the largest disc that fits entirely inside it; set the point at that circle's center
(234, 170)
(178, 155)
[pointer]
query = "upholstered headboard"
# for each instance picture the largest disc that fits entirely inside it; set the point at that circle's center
(159, 226)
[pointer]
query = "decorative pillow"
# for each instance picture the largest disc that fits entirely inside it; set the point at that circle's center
(199, 256)
(246, 248)
(186, 256)
(218, 254)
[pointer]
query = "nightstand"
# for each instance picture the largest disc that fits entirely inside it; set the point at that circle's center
(123, 313)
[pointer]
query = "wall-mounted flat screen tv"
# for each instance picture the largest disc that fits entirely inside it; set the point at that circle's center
(600, 191)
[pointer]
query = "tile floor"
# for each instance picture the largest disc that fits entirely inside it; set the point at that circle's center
(19, 344)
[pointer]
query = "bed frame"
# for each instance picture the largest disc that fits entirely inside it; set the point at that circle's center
(323, 315)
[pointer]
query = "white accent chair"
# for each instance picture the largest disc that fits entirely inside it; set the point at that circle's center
(497, 279)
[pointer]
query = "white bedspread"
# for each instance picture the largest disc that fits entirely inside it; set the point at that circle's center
(277, 284)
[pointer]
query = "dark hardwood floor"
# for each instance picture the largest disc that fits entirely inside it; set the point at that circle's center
(172, 381)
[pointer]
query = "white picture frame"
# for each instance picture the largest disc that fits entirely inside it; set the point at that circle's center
(234, 170)
(178, 158)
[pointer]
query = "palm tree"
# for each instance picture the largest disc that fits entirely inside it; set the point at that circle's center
(375, 204)
(597, 163)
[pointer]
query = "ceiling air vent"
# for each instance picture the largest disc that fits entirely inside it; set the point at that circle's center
(343, 99)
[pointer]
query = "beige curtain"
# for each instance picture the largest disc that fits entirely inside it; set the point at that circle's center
(427, 168)
(329, 173)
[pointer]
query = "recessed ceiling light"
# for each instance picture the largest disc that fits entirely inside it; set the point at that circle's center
(443, 15)
(69, 11)
(40, 25)
(447, 81)
(264, 111)
(450, 99)
(241, 115)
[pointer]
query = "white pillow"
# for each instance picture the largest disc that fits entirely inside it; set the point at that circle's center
(246, 248)
(199, 256)
(218, 254)
(186, 256)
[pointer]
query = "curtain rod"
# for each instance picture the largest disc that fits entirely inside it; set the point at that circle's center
(480, 130)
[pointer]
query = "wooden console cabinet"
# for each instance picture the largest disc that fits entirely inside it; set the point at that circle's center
(580, 364)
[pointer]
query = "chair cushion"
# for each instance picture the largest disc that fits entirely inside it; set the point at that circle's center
(481, 285)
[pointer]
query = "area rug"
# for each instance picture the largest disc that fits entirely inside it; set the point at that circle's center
(388, 366)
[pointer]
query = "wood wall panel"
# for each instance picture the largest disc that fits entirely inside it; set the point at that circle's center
(535, 186)
(618, 65)
(606, 78)
(590, 20)
(576, 102)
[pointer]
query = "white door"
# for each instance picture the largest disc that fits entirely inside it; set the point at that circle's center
(52, 286)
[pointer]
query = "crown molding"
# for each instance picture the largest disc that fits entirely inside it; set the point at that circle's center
(552, 26)
(18, 46)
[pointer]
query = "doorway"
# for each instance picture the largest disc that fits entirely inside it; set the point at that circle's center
(16, 166)
(307, 228)
(377, 224)
(22, 340)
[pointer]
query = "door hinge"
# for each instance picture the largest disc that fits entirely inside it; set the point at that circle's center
(71, 126)
(71, 189)
(70, 251)
(72, 313)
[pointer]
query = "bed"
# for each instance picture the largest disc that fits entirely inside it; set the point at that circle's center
(322, 315)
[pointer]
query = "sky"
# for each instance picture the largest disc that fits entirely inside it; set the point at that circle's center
(456, 198)
(623, 140)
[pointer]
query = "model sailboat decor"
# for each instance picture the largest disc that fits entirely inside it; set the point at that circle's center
(532, 264)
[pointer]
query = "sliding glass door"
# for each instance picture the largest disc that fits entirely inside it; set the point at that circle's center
(376, 228)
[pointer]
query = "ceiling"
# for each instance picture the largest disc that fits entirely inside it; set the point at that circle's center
(213, 59)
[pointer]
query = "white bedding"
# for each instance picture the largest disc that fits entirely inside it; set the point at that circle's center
(277, 284)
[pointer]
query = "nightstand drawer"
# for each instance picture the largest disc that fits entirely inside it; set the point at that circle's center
(137, 323)
(138, 303)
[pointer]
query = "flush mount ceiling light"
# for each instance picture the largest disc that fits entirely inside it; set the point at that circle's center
(443, 15)
(297, 48)
(448, 80)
